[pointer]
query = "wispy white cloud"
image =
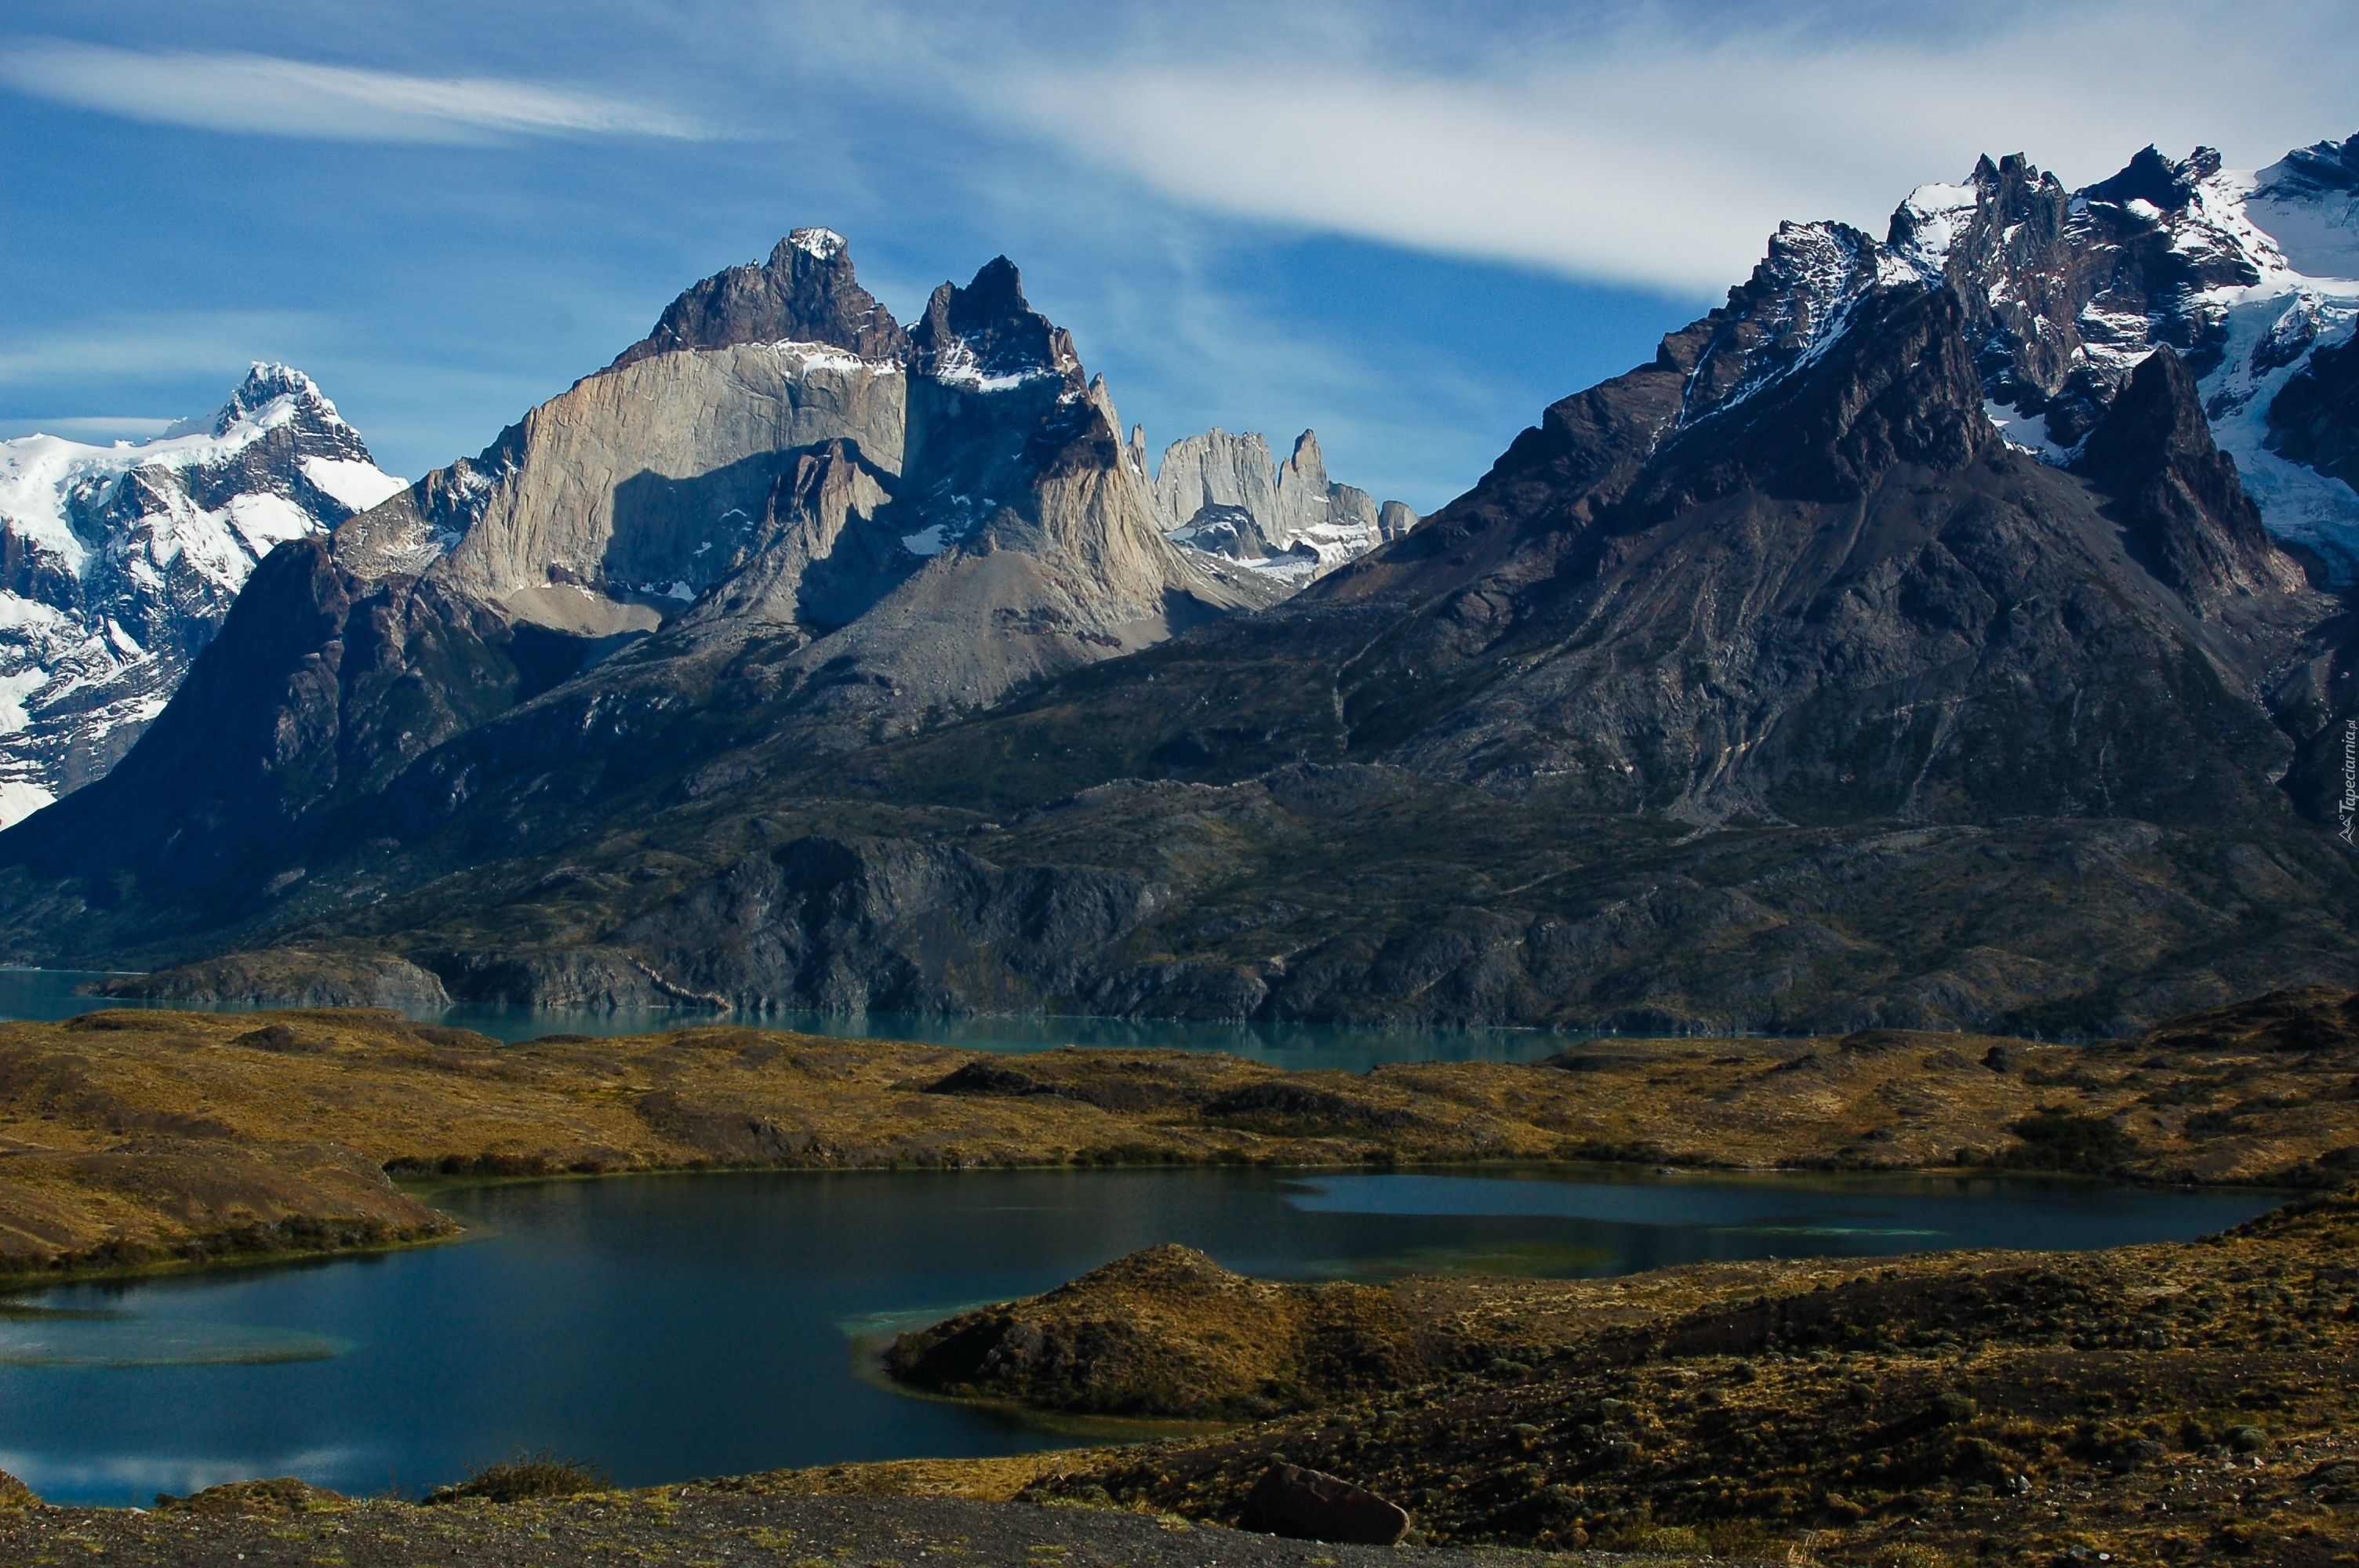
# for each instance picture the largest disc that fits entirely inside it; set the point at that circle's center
(266, 94)
(93, 428)
(1648, 148)
(162, 344)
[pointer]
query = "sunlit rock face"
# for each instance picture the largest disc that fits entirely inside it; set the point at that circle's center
(1221, 495)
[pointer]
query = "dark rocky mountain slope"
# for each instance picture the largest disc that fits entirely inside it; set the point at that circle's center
(1787, 681)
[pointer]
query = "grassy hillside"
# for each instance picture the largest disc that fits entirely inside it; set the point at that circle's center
(144, 1136)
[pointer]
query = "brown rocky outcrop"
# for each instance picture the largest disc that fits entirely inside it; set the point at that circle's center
(1167, 1332)
(277, 1498)
(1314, 1506)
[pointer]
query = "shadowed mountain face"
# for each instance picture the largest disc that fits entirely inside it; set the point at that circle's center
(2315, 419)
(1774, 683)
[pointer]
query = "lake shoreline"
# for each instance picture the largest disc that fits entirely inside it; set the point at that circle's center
(137, 1139)
(1979, 1404)
(222, 1253)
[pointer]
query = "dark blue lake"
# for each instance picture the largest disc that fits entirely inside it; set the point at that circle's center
(674, 1326)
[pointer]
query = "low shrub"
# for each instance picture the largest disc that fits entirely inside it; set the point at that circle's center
(2054, 1139)
(541, 1475)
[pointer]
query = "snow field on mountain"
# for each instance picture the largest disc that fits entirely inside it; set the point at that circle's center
(132, 553)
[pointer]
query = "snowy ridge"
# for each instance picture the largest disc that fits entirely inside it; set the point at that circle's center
(2246, 275)
(1786, 317)
(353, 483)
(2307, 201)
(827, 356)
(120, 562)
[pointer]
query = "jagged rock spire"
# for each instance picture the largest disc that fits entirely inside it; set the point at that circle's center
(988, 331)
(2154, 179)
(805, 293)
(2186, 513)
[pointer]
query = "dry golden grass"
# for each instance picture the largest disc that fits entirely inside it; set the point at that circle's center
(2174, 1403)
(993, 1480)
(132, 1136)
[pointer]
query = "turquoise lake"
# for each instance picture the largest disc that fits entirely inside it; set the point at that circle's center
(51, 994)
(667, 1327)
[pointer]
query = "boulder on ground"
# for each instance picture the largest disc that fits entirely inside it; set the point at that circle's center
(1314, 1506)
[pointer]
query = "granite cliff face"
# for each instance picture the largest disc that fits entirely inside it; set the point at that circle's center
(118, 563)
(781, 534)
(1222, 495)
(1908, 642)
(688, 466)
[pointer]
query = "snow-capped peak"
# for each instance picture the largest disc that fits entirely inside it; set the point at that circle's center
(129, 556)
(271, 395)
(2244, 274)
(1933, 217)
(822, 244)
(2308, 202)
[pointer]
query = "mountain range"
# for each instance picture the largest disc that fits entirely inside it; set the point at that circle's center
(117, 565)
(1952, 628)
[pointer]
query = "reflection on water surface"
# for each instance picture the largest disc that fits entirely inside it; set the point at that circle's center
(673, 1326)
(51, 994)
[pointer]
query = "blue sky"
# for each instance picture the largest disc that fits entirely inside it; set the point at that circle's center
(1408, 226)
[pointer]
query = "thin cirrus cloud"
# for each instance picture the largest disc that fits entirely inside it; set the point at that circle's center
(1643, 153)
(272, 96)
(97, 428)
(159, 343)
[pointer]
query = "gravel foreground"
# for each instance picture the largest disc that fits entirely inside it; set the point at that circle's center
(700, 1530)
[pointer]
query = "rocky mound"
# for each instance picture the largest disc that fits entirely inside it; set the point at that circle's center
(2309, 1019)
(179, 1190)
(293, 976)
(2152, 1404)
(279, 1498)
(1167, 1332)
